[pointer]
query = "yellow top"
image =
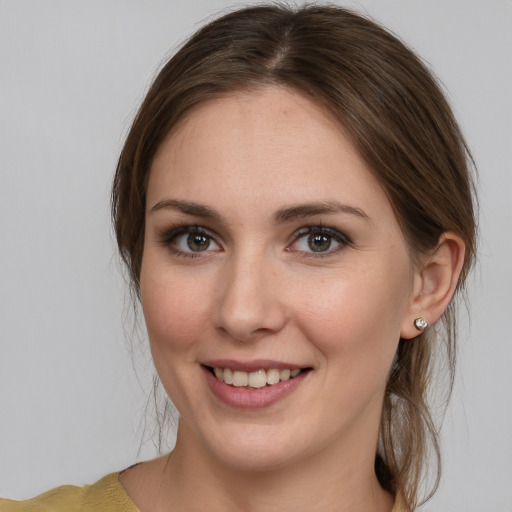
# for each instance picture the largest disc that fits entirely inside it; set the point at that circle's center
(106, 495)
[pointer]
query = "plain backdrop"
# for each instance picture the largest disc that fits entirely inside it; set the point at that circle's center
(72, 74)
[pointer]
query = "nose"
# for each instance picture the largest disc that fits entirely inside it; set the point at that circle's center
(250, 304)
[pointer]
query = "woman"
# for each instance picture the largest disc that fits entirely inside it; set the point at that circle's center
(294, 207)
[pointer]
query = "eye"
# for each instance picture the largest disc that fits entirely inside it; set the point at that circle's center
(319, 241)
(189, 241)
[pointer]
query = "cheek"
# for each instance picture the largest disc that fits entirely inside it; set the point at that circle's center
(175, 316)
(174, 310)
(354, 325)
(358, 313)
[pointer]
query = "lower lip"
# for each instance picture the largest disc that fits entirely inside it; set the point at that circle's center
(252, 398)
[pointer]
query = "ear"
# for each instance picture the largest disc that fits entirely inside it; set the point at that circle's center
(435, 281)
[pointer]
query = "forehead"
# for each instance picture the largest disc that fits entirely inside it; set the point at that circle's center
(262, 148)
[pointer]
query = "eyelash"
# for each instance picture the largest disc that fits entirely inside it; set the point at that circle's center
(340, 238)
(168, 239)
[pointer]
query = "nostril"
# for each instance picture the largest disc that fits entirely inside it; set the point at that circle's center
(247, 307)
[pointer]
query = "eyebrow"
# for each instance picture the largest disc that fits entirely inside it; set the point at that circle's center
(187, 207)
(309, 209)
(281, 216)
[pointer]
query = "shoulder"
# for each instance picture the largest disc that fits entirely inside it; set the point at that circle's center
(105, 495)
(66, 497)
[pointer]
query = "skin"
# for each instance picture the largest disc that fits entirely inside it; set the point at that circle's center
(258, 291)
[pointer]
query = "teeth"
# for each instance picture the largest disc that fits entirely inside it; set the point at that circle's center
(284, 374)
(240, 379)
(257, 379)
(273, 376)
(227, 376)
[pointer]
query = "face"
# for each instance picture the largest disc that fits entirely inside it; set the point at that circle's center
(275, 282)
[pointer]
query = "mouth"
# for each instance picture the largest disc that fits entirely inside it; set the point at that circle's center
(257, 379)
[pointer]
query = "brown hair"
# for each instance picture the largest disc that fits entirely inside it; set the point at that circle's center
(400, 122)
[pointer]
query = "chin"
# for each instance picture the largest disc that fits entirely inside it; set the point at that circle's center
(255, 449)
(254, 459)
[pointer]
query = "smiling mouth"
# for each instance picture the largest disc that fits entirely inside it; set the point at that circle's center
(257, 379)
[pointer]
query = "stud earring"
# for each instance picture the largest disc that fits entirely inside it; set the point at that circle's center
(420, 323)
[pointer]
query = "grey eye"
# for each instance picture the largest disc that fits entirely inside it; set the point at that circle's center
(198, 242)
(190, 240)
(319, 242)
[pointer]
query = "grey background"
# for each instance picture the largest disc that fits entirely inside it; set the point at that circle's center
(72, 74)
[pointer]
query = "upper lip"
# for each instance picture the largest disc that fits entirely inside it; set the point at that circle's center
(251, 366)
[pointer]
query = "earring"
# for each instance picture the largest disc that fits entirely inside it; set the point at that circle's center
(420, 323)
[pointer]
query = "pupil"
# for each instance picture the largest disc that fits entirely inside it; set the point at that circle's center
(197, 242)
(319, 243)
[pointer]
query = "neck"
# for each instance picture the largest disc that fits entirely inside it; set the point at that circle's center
(327, 481)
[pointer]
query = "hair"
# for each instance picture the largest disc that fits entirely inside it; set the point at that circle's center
(400, 122)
